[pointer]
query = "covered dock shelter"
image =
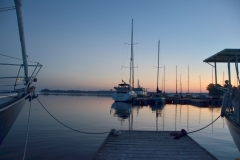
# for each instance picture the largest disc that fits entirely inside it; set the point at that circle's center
(225, 56)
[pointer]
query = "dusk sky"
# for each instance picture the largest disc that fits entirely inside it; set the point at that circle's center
(81, 43)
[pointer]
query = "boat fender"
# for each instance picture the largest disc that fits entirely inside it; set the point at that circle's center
(224, 104)
(223, 110)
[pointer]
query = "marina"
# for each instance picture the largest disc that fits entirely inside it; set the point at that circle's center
(91, 109)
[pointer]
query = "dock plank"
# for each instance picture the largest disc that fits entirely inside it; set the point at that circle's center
(150, 145)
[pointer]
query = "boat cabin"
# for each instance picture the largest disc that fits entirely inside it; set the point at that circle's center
(123, 88)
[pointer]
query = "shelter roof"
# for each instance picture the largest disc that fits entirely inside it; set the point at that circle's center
(224, 55)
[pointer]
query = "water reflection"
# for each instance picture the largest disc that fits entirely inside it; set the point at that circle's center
(89, 113)
(158, 109)
(214, 109)
(121, 110)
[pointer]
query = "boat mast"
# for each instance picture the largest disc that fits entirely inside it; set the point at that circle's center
(188, 78)
(176, 79)
(18, 5)
(164, 78)
(132, 62)
(130, 72)
(200, 84)
(158, 65)
(180, 85)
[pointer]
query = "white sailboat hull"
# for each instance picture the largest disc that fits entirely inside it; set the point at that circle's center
(8, 115)
(123, 97)
(234, 129)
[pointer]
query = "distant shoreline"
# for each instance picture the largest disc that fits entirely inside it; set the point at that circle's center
(106, 92)
(76, 92)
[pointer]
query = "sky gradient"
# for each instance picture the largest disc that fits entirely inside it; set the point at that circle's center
(81, 43)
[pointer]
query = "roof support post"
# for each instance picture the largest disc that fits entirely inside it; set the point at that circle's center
(215, 66)
(229, 73)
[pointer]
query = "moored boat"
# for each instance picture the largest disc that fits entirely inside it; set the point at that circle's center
(157, 98)
(14, 96)
(140, 91)
(231, 99)
(124, 92)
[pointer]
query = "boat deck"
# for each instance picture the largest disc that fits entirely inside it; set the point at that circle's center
(150, 145)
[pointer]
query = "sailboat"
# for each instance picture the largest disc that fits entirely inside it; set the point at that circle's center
(176, 95)
(188, 95)
(200, 96)
(124, 92)
(140, 91)
(230, 106)
(22, 89)
(157, 98)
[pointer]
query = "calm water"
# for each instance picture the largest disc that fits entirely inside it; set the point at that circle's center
(50, 140)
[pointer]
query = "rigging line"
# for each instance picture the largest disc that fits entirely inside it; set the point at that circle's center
(28, 126)
(6, 10)
(68, 126)
(205, 126)
(7, 7)
(15, 58)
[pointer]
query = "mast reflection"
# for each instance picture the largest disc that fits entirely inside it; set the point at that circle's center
(158, 109)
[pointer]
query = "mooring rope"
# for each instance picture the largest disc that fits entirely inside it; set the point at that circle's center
(205, 126)
(68, 126)
(28, 127)
(184, 132)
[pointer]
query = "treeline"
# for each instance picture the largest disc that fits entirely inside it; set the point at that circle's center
(74, 91)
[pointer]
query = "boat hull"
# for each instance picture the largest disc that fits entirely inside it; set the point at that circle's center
(123, 97)
(8, 115)
(156, 101)
(234, 129)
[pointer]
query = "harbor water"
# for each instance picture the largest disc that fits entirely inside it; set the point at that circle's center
(50, 140)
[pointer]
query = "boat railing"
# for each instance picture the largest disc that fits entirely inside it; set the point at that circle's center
(15, 85)
(231, 101)
(221, 89)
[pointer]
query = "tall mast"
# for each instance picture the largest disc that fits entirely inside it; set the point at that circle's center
(176, 79)
(180, 85)
(132, 62)
(200, 84)
(188, 78)
(164, 78)
(18, 5)
(158, 65)
(130, 72)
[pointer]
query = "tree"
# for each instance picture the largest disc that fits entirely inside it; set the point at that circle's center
(213, 91)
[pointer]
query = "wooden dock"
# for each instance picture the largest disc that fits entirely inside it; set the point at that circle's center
(150, 145)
